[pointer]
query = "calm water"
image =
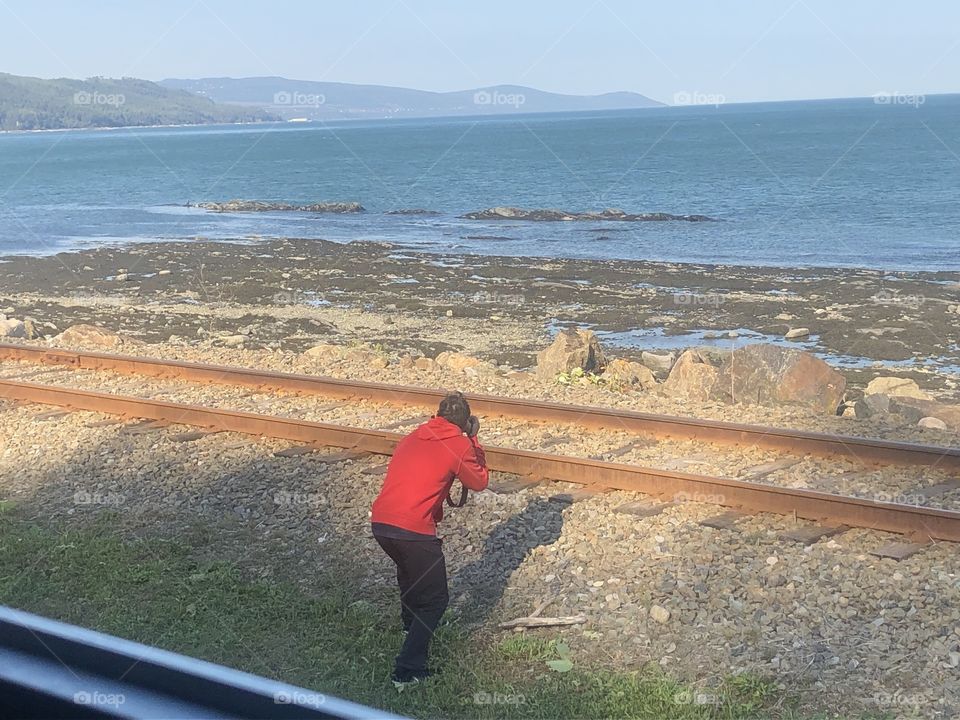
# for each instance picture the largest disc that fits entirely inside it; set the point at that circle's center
(830, 183)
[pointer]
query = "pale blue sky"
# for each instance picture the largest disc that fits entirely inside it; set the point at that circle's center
(741, 49)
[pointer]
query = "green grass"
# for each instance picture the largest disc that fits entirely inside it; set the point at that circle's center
(156, 592)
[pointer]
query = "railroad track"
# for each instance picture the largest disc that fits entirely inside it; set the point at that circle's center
(833, 512)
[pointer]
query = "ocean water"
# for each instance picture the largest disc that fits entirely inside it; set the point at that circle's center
(849, 183)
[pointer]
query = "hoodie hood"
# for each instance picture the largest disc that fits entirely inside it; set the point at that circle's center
(437, 428)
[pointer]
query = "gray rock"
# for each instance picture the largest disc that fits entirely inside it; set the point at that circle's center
(659, 614)
(12, 328)
(425, 363)
(931, 423)
(91, 335)
(770, 375)
(871, 405)
(258, 206)
(915, 409)
(896, 386)
(658, 362)
(547, 215)
(693, 376)
(624, 372)
(233, 340)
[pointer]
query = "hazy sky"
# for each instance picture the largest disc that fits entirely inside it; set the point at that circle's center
(739, 49)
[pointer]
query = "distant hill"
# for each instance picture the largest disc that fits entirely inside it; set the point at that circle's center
(28, 103)
(296, 99)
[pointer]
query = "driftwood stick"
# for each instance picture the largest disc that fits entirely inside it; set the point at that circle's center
(542, 606)
(533, 622)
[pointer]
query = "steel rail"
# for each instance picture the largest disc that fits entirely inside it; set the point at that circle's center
(808, 504)
(796, 442)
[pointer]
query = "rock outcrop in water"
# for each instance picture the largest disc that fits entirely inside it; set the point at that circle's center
(259, 206)
(512, 213)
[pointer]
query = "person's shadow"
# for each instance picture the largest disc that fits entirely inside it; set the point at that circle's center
(504, 550)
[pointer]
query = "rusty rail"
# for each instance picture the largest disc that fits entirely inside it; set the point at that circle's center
(808, 504)
(796, 442)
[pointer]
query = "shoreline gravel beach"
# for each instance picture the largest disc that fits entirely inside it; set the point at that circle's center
(294, 293)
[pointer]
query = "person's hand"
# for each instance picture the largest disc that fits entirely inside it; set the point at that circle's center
(473, 426)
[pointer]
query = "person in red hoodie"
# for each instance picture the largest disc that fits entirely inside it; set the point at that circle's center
(404, 520)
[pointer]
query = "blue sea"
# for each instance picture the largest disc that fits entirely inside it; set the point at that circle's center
(839, 183)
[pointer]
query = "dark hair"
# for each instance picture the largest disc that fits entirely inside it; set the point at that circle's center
(455, 408)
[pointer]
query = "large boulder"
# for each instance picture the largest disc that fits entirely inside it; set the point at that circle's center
(458, 362)
(756, 374)
(916, 409)
(11, 327)
(331, 354)
(872, 405)
(693, 376)
(93, 336)
(658, 362)
(627, 373)
(572, 348)
(895, 387)
(425, 363)
(769, 374)
(324, 351)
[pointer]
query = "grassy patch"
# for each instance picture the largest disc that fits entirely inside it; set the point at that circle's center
(157, 592)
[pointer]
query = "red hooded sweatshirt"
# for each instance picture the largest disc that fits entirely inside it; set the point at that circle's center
(421, 473)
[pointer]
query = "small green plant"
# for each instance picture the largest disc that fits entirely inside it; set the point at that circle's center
(578, 375)
(562, 663)
(747, 691)
(526, 647)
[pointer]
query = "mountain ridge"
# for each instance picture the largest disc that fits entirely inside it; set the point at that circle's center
(315, 100)
(29, 103)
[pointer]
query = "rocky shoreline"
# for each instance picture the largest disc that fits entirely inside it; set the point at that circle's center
(682, 339)
(261, 206)
(549, 215)
(495, 213)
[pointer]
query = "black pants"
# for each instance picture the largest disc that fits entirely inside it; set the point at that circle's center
(422, 576)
